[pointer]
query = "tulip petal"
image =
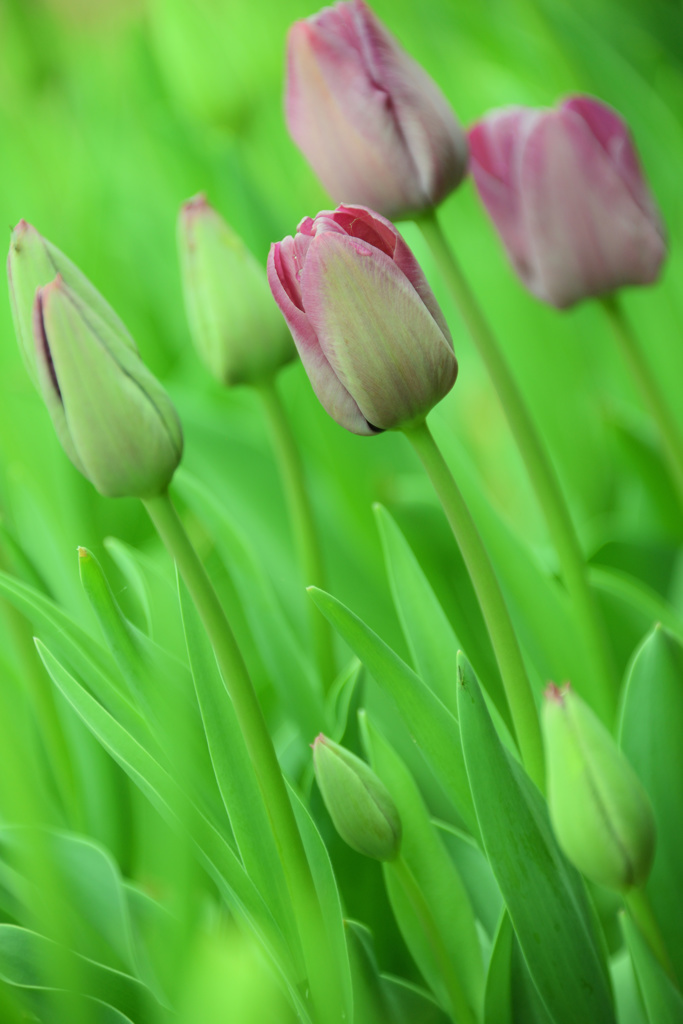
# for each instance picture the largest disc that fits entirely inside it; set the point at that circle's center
(432, 135)
(112, 404)
(612, 132)
(381, 341)
(343, 120)
(286, 290)
(587, 235)
(496, 143)
(360, 222)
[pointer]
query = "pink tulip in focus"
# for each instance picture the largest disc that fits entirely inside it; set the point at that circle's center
(566, 192)
(374, 126)
(368, 329)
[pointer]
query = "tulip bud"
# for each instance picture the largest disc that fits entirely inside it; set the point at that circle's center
(368, 329)
(235, 326)
(113, 418)
(566, 192)
(600, 812)
(33, 262)
(363, 813)
(374, 126)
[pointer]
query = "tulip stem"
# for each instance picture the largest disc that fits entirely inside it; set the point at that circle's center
(460, 1009)
(640, 908)
(517, 688)
(672, 440)
(544, 481)
(319, 959)
(303, 523)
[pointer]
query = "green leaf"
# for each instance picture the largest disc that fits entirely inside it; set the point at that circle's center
(340, 698)
(436, 875)
(545, 897)
(431, 641)
(650, 734)
(289, 668)
(83, 654)
(382, 997)
(171, 802)
(159, 683)
(328, 895)
(475, 871)
(538, 604)
(29, 960)
(235, 773)
(497, 998)
(91, 892)
(429, 722)
(663, 1002)
(629, 590)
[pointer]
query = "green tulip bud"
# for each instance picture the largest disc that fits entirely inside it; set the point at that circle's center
(114, 420)
(359, 804)
(600, 812)
(33, 262)
(235, 325)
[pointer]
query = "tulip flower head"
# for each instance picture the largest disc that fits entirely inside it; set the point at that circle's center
(114, 420)
(368, 329)
(235, 327)
(363, 812)
(600, 813)
(374, 126)
(567, 195)
(32, 262)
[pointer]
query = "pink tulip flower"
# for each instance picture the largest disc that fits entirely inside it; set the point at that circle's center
(566, 192)
(374, 126)
(368, 329)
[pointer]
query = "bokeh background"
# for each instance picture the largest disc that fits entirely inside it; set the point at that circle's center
(112, 112)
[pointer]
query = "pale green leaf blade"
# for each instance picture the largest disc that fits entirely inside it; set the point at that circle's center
(433, 727)
(436, 875)
(663, 1002)
(651, 736)
(235, 773)
(430, 637)
(544, 895)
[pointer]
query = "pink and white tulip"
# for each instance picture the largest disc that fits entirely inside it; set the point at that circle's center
(374, 126)
(567, 194)
(368, 329)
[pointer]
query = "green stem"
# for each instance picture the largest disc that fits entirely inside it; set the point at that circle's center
(517, 689)
(640, 908)
(671, 437)
(303, 523)
(322, 974)
(539, 467)
(460, 1008)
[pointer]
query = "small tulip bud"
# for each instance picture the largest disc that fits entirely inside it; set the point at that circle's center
(566, 192)
(374, 126)
(363, 813)
(368, 329)
(234, 324)
(113, 418)
(33, 262)
(600, 812)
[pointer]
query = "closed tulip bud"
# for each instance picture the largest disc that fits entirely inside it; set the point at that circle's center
(600, 813)
(235, 326)
(374, 126)
(566, 192)
(359, 804)
(33, 262)
(368, 329)
(113, 418)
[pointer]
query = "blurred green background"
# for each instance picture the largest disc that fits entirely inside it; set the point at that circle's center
(112, 112)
